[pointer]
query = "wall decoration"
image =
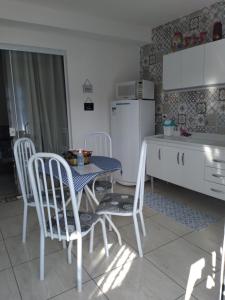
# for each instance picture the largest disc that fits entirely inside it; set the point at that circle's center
(205, 107)
(88, 104)
(87, 87)
(177, 41)
(217, 31)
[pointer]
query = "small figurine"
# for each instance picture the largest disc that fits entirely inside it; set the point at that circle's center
(177, 42)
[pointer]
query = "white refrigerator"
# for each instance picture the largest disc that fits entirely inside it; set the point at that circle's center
(131, 121)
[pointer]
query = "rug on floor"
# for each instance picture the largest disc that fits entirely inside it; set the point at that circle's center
(190, 217)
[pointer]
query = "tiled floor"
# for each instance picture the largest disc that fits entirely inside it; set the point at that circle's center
(178, 264)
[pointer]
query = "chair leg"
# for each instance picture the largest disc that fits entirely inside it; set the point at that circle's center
(25, 211)
(88, 199)
(70, 252)
(110, 227)
(137, 233)
(104, 236)
(142, 223)
(115, 229)
(91, 239)
(64, 244)
(42, 256)
(79, 264)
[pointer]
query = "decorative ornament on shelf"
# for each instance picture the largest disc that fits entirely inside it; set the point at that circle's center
(177, 41)
(217, 31)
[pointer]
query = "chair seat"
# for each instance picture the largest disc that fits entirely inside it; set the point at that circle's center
(101, 185)
(116, 203)
(86, 221)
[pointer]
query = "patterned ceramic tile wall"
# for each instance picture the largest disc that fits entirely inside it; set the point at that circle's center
(200, 110)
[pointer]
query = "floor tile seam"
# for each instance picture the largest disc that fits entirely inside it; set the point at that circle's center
(66, 291)
(170, 277)
(106, 272)
(9, 217)
(5, 269)
(14, 275)
(197, 246)
(35, 258)
(184, 295)
(218, 271)
(162, 245)
(100, 288)
(158, 223)
(199, 280)
(17, 235)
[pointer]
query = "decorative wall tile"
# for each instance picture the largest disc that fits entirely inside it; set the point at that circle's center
(200, 110)
(182, 119)
(194, 23)
(222, 94)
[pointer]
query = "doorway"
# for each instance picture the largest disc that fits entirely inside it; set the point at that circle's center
(33, 104)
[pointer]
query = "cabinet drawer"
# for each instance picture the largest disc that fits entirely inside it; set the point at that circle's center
(215, 175)
(215, 158)
(215, 190)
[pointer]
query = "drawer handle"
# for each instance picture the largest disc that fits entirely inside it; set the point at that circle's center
(216, 191)
(159, 154)
(219, 161)
(178, 158)
(182, 159)
(218, 176)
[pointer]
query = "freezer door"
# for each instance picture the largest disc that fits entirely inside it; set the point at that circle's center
(125, 132)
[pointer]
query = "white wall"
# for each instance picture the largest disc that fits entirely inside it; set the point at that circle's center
(102, 62)
(39, 14)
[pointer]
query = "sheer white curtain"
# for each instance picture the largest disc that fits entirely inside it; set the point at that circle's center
(36, 91)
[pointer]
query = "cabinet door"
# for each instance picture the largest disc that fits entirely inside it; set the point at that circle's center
(155, 160)
(214, 63)
(172, 71)
(192, 67)
(192, 165)
(172, 165)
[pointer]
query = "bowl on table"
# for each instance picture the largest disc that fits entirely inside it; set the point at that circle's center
(71, 156)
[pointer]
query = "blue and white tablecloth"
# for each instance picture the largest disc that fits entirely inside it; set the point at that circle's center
(103, 165)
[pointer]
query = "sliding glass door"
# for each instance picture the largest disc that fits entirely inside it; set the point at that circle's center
(36, 97)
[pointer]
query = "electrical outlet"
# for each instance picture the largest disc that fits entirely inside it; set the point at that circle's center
(12, 131)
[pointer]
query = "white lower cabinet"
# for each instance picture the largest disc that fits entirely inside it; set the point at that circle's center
(177, 165)
(200, 168)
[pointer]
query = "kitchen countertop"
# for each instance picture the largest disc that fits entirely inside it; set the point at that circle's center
(196, 140)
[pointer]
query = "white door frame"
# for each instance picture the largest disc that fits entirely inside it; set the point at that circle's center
(60, 52)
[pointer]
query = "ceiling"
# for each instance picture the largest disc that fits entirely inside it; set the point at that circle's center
(138, 12)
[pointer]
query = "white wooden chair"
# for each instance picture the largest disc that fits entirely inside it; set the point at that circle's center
(58, 222)
(101, 144)
(125, 205)
(23, 150)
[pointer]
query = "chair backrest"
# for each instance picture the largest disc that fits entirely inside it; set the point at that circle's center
(140, 184)
(98, 142)
(23, 149)
(47, 173)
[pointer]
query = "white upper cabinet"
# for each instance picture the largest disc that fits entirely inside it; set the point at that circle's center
(172, 71)
(215, 62)
(192, 66)
(198, 66)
